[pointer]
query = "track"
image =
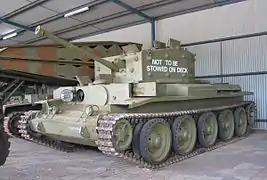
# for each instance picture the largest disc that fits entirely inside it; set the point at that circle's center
(106, 132)
(23, 131)
(106, 135)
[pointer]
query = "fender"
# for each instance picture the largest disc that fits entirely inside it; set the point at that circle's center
(9, 108)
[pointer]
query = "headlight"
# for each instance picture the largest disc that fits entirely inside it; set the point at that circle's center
(67, 95)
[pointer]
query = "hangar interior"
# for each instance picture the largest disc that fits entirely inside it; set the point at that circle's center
(227, 36)
(232, 52)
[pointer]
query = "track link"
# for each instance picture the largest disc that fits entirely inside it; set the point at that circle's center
(25, 133)
(105, 133)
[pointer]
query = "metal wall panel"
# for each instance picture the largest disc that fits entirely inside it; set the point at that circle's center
(237, 56)
(139, 34)
(244, 55)
(216, 22)
(257, 85)
(208, 59)
(262, 125)
(248, 55)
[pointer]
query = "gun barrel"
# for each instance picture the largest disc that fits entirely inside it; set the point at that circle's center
(41, 32)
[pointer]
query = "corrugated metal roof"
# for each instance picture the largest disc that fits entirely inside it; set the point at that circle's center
(103, 15)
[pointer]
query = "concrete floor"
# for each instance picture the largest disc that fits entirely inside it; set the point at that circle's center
(244, 160)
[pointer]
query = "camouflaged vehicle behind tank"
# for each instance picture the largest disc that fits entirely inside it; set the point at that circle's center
(4, 146)
(144, 106)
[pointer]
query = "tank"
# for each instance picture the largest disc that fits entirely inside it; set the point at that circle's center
(4, 146)
(144, 106)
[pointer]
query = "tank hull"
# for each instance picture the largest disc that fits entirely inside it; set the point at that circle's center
(102, 134)
(84, 131)
(124, 126)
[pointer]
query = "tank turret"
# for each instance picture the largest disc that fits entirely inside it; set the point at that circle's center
(144, 106)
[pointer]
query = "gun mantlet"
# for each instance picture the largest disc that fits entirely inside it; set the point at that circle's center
(41, 32)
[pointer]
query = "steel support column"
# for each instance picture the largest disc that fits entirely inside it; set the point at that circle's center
(153, 31)
(140, 13)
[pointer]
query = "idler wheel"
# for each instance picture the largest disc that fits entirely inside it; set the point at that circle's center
(12, 124)
(207, 129)
(123, 134)
(155, 141)
(226, 125)
(241, 121)
(184, 134)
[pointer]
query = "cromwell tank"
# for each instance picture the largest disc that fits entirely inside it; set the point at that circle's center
(144, 106)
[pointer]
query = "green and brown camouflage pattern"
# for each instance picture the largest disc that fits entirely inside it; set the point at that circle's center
(55, 60)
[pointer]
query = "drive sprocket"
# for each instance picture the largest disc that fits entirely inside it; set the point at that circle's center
(251, 111)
